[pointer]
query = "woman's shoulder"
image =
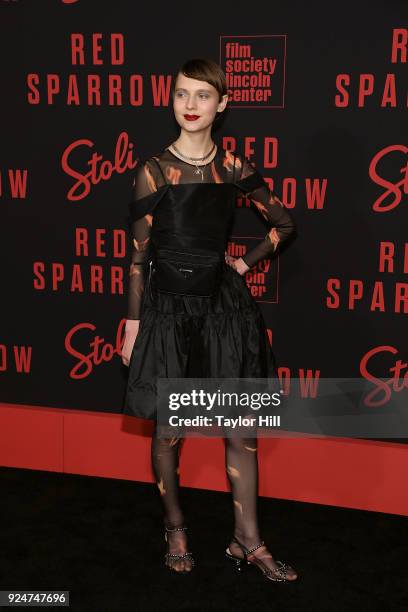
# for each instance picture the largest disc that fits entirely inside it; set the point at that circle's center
(235, 157)
(159, 156)
(241, 164)
(150, 167)
(241, 159)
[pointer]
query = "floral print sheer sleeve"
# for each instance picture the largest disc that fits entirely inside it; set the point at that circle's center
(144, 191)
(253, 186)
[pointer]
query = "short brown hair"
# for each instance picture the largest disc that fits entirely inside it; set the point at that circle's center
(204, 69)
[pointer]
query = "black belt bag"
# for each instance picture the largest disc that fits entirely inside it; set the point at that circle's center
(187, 273)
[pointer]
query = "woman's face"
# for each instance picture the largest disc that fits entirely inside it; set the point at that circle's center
(196, 103)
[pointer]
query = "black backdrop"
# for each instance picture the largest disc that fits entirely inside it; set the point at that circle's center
(324, 135)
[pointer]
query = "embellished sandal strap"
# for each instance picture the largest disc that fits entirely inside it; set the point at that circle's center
(176, 556)
(170, 557)
(248, 551)
(244, 549)
(176, 529)
(280, 572)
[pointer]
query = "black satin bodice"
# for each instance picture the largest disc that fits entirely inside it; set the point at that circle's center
(196, 216)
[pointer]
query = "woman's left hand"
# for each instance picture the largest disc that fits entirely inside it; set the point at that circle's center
(237, 263)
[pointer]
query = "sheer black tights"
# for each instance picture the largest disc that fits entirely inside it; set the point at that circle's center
(165, 454)
(241, 462)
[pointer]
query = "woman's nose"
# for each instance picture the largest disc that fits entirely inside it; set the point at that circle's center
(190, 103)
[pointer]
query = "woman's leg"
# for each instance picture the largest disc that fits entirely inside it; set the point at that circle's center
(241, 463)
(165, 453)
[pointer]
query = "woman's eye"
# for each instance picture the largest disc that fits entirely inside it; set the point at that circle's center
(203, 96)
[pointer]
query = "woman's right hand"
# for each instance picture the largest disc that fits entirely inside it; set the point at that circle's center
(131, 331)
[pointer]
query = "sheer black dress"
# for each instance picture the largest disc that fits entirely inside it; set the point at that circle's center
(194, 336)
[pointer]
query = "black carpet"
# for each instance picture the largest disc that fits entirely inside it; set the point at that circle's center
(102, 540)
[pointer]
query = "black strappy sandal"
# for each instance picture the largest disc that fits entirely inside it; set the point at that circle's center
(186, 555)
(276, 575)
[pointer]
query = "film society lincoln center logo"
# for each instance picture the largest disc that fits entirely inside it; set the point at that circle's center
(255, 70)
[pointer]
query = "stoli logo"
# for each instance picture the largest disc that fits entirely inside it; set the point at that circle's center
(99, 350)
(100, 169)
(391, 188)
(397, 382)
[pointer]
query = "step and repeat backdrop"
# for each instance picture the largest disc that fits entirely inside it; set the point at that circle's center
(318, 101)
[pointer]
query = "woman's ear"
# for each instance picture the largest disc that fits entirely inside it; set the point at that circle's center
(223, 103)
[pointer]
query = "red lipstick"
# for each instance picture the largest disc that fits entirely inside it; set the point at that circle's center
(191, 117)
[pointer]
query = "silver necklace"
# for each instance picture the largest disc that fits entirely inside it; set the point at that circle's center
(198, 170)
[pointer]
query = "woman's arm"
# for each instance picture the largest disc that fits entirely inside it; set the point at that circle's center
(141, 212)
(141, 209)
(253, 186)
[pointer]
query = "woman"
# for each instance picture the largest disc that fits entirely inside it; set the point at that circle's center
(184, 199)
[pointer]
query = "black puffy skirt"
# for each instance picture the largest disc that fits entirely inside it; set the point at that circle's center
(221, 336)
